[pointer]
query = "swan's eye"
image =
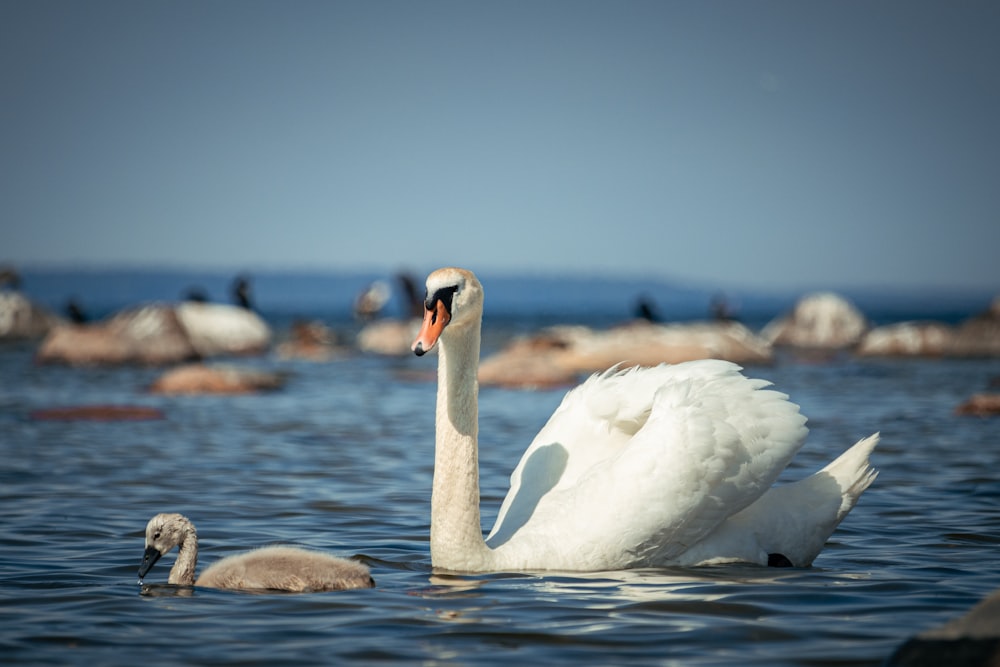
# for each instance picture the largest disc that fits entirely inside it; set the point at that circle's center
(444, 295)
(156, 535)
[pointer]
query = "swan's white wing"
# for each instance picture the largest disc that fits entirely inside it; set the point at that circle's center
(637, 466)
(594, 421)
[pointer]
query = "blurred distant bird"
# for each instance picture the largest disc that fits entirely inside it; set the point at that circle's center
(371, 300)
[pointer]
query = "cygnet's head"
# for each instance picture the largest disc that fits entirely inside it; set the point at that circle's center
(163, 533)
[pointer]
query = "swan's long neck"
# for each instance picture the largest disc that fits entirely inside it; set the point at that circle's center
(456, 534)
(182, 573)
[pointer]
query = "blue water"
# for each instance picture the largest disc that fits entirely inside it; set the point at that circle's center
(340, 460)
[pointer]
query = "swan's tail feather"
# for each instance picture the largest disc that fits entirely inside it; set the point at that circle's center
(793, 520)
(853, 472)
(847, 476)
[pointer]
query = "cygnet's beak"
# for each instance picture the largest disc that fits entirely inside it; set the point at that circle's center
(149, 559)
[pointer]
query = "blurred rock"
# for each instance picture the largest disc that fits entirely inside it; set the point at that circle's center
(149, 335)
(972, 640)
(219, 329)
(158, 334)
(917, 339)
(389, 337)
(978, 336)
(311, 341)
(821, 321)
(201, 379)
(980, 405)
(98, 413)
(559, 355)
(22, 319)
(529, 363)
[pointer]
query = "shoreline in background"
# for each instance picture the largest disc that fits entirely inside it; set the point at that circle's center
(283, 293)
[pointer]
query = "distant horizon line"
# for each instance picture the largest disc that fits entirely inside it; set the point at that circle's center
(506, 273)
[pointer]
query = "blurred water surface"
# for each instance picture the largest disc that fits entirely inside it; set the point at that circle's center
(340, 460)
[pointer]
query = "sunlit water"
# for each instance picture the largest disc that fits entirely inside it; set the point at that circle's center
(340, 460)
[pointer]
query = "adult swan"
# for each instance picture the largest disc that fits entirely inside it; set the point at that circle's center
(671, 465)
(637, 468)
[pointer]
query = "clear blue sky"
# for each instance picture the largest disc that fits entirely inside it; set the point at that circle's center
(750, 143)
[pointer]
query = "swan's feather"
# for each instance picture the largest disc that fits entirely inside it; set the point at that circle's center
(793, 519)
(656, 457)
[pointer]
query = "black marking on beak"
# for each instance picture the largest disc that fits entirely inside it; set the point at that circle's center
(444, 295)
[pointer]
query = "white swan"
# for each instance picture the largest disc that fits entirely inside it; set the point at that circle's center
(638, 468)
(268, 568)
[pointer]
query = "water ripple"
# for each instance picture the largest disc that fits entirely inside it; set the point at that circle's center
(341, 461)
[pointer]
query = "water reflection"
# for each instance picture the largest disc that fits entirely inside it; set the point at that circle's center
(165, 590)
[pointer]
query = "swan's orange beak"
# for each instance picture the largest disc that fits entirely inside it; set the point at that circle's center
(436, 319)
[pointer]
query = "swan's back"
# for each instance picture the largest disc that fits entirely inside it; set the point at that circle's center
(286, 569)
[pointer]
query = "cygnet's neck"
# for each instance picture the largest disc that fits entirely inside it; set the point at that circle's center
(182, 573)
